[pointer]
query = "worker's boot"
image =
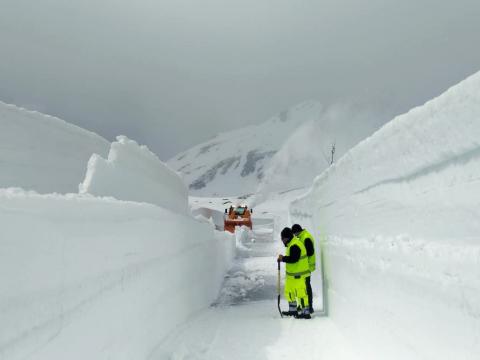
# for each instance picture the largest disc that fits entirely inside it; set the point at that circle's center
(292, 309)
(306, 313)
(303, 314)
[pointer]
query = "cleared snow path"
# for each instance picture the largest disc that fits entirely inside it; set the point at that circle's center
(244, 322)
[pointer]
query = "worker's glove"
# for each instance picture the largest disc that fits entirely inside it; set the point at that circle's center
(280, 258)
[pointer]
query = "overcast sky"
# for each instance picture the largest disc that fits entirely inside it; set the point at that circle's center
(173, 73)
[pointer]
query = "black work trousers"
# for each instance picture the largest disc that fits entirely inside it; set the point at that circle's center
(309, 291)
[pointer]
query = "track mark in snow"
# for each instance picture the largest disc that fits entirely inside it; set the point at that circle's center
(247, 281)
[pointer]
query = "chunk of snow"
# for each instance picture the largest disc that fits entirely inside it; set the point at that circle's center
(134, 173)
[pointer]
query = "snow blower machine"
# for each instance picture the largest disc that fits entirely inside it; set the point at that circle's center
(237, 216)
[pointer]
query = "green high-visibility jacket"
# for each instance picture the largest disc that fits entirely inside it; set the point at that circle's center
(301, 267)
(304, 234)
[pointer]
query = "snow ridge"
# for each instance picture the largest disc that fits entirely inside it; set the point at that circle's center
(43, 153)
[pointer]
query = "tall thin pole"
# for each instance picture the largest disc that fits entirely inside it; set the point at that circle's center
(278, 289)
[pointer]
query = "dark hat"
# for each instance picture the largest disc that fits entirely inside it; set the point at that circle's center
(296, 229)
(287, 234)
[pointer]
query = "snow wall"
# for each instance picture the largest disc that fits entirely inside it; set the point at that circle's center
(43, 153)
(399, 219)
(95, 278)
(134, 173)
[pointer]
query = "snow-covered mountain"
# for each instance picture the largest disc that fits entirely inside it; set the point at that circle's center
(313, 146)
(283, 153)
(234, 162)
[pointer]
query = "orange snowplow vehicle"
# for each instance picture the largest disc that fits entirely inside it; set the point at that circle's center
(237, 216)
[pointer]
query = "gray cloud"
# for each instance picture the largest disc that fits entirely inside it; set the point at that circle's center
(172, 73)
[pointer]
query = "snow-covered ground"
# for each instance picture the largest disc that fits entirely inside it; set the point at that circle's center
(244, 322)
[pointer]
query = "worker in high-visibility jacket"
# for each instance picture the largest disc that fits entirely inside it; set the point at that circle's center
(308, 241)
(297, 269)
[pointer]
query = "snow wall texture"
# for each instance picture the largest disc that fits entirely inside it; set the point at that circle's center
(85, 277)
(134, 173)
(398, 216)
(91, 278)
(43, 153)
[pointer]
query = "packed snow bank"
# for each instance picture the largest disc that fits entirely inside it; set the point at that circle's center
(399, 216)
(89, 278)
(42, 153)
(134, 173)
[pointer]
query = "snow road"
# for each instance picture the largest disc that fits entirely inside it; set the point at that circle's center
(244, 322)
